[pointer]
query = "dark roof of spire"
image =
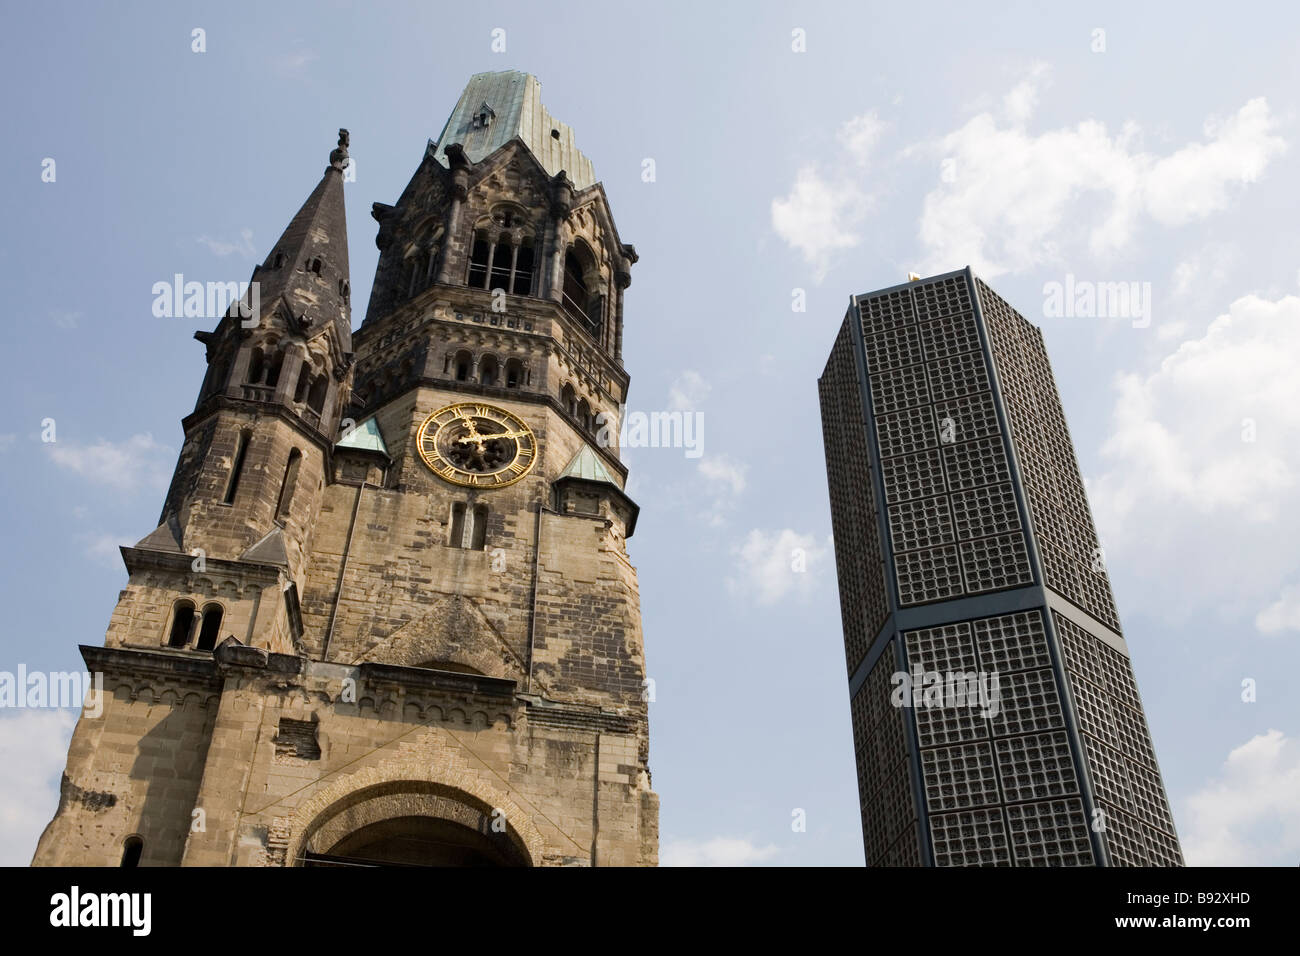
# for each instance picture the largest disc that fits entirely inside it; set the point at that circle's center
(319, 230)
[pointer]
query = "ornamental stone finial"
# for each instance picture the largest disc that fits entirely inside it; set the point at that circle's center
(339, 156)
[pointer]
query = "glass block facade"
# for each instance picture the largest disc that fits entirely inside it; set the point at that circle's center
(968, 561)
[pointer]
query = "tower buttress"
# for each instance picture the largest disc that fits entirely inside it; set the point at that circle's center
(246, 490)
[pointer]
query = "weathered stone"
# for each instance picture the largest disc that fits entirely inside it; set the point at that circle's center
(375, 689)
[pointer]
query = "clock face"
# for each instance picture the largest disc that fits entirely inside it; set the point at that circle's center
(477, 445)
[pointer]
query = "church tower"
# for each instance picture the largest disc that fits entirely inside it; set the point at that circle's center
(388, 614)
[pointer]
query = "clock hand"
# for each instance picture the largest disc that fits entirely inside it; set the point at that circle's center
(471, 427)
(466, 439)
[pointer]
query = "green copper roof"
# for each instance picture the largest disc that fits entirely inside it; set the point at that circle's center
(513, 102)
(366, 437)
(586, 464)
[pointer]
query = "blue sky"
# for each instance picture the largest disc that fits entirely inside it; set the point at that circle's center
(902, 137)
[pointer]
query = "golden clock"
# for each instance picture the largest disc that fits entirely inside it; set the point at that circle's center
(477, 445)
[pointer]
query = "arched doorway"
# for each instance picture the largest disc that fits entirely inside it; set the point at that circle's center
(416, 841)
(413, 823)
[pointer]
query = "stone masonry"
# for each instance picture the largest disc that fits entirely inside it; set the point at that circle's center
(326, 653)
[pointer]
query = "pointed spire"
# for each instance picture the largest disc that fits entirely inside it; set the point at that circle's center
(308, 265)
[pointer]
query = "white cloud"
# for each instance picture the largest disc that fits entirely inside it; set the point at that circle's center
(64, 319)
(137, 462)
(723, 475)
(819, 217)
(1021, 100)
(772, 564)
(860, 135)
(219, 247)
(33, 751)
(1182, 484)
(718, 851)
(1282, 615)
(7, 441)
(1249, 814)
(1194, 182)
(825, 208)
(1016, 199)
(688, 392)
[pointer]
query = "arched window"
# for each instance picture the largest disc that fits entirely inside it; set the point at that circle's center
(344, 289)
(584, 414)
(501, 262)
(279, 260)
(237, 467)
(569, 400)
(290, 481)
(487, 370)
(464, 364)
(314, 267)
(503, 259)
(478, 261)
(579, 297)
(456, 536)
(132, 848)
(256, 366)
(182, 624)
(522, 282)
(304, 382)
(210, 629)
(316, 397)
(412, 273)
(478, 534)
(273, 370)
(575, 283)
(514, 373)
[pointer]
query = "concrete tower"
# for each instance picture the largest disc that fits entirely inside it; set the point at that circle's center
(388, 615)
(968, 564)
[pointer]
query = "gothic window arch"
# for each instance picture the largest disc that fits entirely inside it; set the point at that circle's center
(463, 365)
(479, 256)
(456, 531)
(514, 373)
(183, 614)
(316, 395)
(502, 254)
(305, 372)
(478, 532)
(488, 368)
(584, 414)
(278, 261)
(289, 484)
(581, 295)
(468, 526)
(210, 628)
(237, 464)
(256, 366)
(569, 400)
(314, 265)
(273, 369)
